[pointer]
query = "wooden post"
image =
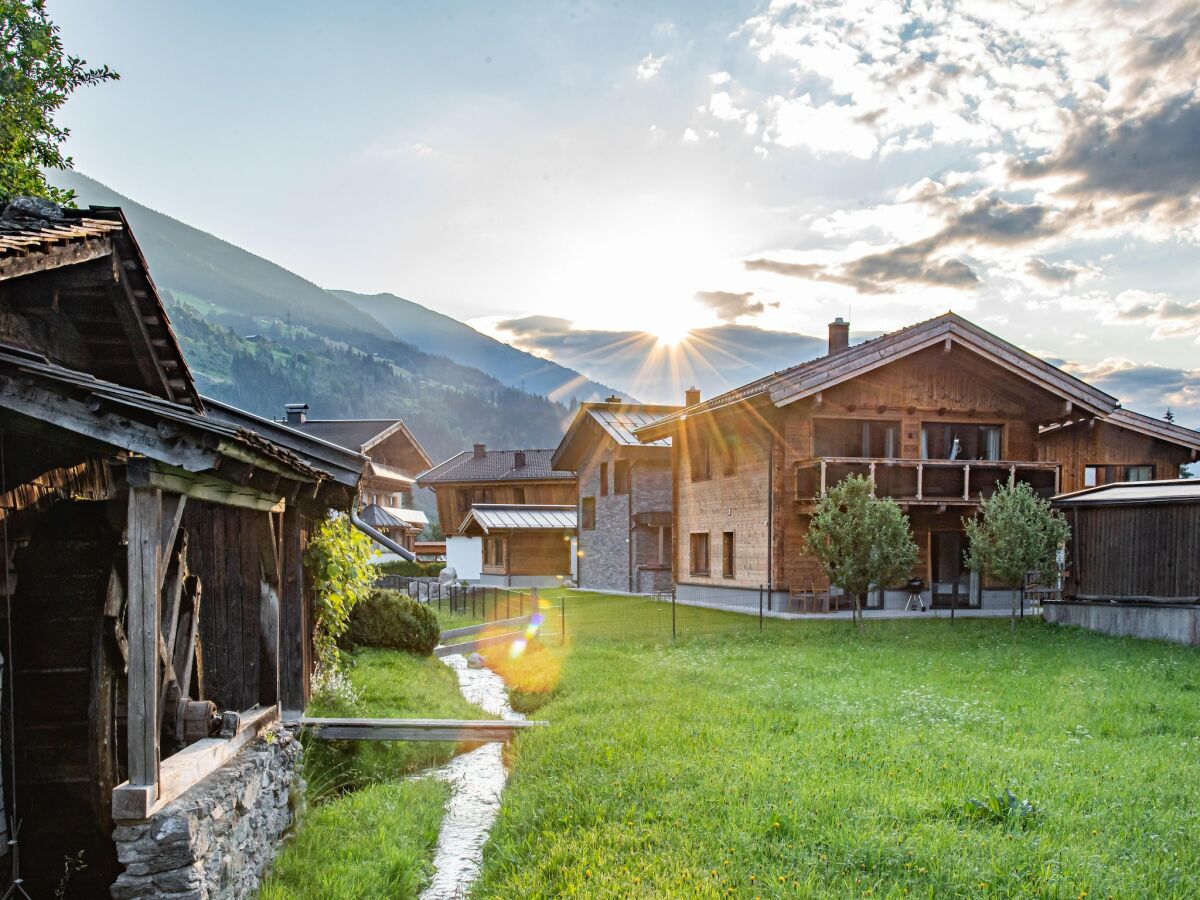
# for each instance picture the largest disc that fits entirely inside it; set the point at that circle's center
(920, 480)
(966, 482)
(293, 660)
(268, 610)
(145, 539)
(822, 494)
(872, 470)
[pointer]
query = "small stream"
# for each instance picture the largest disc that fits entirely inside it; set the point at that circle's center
(476, 780)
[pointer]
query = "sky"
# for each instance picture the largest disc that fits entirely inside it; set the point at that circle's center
(570, 175)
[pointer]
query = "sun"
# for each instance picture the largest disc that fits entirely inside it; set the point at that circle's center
(670, 334)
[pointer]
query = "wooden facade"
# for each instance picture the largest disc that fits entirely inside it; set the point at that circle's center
(152, 543)
(749, 466)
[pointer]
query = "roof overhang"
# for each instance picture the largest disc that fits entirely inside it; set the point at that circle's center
(489, 518)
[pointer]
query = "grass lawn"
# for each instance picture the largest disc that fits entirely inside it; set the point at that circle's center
(377, 840)
(807, 760)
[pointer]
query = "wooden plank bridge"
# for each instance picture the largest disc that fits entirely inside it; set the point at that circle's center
(472, 731)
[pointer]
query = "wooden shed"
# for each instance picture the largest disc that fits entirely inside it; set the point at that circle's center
(153, 585)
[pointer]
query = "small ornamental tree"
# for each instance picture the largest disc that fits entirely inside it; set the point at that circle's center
(860, 540)
(1015, 532)
(338, 558)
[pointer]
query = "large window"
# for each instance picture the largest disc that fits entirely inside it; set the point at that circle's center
(587, 513)
(856, 438)
(956, 440)
(727, 555)
(700, 553)
(1093, 476)
(621, 476)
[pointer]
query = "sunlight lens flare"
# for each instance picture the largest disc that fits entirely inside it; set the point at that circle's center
(670, 334)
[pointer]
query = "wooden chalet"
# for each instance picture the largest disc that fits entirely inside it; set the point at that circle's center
(937, 414)
(1133, 560)
(395, 457)
(153, 588)
(624, 496)
(526, 556)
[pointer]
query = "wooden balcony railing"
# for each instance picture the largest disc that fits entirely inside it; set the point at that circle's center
(925, 481)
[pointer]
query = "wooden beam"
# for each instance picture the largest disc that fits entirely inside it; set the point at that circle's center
(459, 730)
(134, 324)
(200, 486)
(172, 505)
(268, 610)
(295, 646)
(189, 766)
(55, 257)
(144, 532)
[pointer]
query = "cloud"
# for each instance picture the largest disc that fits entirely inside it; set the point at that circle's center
(1165, 315)
(1056, 273)
(728, 306)
(650, 66)
(1149, 389)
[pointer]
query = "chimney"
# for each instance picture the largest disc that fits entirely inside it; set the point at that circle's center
(691, 396)
(613, 399)
(480, 451)
(296, 413)
(839, 335)
(519, 459)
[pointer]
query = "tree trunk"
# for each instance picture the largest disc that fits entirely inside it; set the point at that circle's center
(1014, 611)
(858, 612)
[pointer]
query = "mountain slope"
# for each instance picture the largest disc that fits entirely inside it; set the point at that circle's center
(438, 333)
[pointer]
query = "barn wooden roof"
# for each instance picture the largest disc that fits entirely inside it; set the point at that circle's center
(87, 268)
(949, 329)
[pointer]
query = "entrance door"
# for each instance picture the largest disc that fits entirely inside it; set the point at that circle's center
(949, 575)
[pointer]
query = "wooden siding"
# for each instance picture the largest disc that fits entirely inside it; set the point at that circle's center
(1135, 551)
(535, 553)
(452, 510)
(1080, 445)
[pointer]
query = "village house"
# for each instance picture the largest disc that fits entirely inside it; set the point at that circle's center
(508, 516)
(937, 414)
(395, 457)
(158, 612)
(624, 496)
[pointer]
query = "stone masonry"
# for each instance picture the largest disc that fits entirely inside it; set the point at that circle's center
(605, 564)
(216, 840)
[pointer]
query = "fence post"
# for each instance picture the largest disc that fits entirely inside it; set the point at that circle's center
(508, 604)
(953, 600)
(672, 612)
(1022, 602)
(760, 607)
(562, 619)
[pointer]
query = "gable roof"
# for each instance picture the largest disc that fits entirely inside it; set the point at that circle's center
(1155, 428)
(489, 517)
(613, 421)
(358, 434)
(950, 329)
(494, 465)
(102, 286)
(1134, 493)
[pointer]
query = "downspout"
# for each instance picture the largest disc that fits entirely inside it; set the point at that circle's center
(629, 541)
(379, 537)
(771, 516)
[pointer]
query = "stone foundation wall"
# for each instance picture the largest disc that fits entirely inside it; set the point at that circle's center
(216, 840)
(1180, 624)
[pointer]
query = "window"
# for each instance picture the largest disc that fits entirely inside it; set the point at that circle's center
(603, 479)
(1094, 476)
(869, 438)
(700, 553)
(727, 555)
(953, 440)
(621, 476)
(587, 513)
(701, 459)
(494, 552)
(518, 495)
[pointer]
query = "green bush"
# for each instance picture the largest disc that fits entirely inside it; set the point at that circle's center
(395, 621)
(413, 569)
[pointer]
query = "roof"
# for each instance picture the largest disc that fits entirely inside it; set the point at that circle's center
(809, 378)
(615, 421)
(388, 473)
(358, 434)
(494, 465)
(101, 283)
(510, 517)
(378, 516)
(1155, 428)
(1134, 493)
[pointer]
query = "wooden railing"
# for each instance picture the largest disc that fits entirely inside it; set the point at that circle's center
(925, 481)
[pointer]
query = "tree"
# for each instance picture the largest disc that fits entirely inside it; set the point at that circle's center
(36, 78)
(338, 557)
(860, 540)
(1015, 532)
(1169, 416)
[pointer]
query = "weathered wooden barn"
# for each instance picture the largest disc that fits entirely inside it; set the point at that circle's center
(1133, 560)
(157, 617)
(937, 414)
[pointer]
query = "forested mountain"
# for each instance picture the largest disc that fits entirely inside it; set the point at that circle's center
(259, 336)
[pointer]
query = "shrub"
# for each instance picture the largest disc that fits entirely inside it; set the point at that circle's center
(338, 558)
(393, 620)
(413, 569)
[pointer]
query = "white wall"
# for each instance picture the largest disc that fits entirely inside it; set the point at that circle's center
(465, 556)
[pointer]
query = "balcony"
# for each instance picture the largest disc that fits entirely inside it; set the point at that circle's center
(924, 482)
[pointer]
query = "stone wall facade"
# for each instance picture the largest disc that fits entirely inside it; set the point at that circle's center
(609, 563)
(217, 839)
